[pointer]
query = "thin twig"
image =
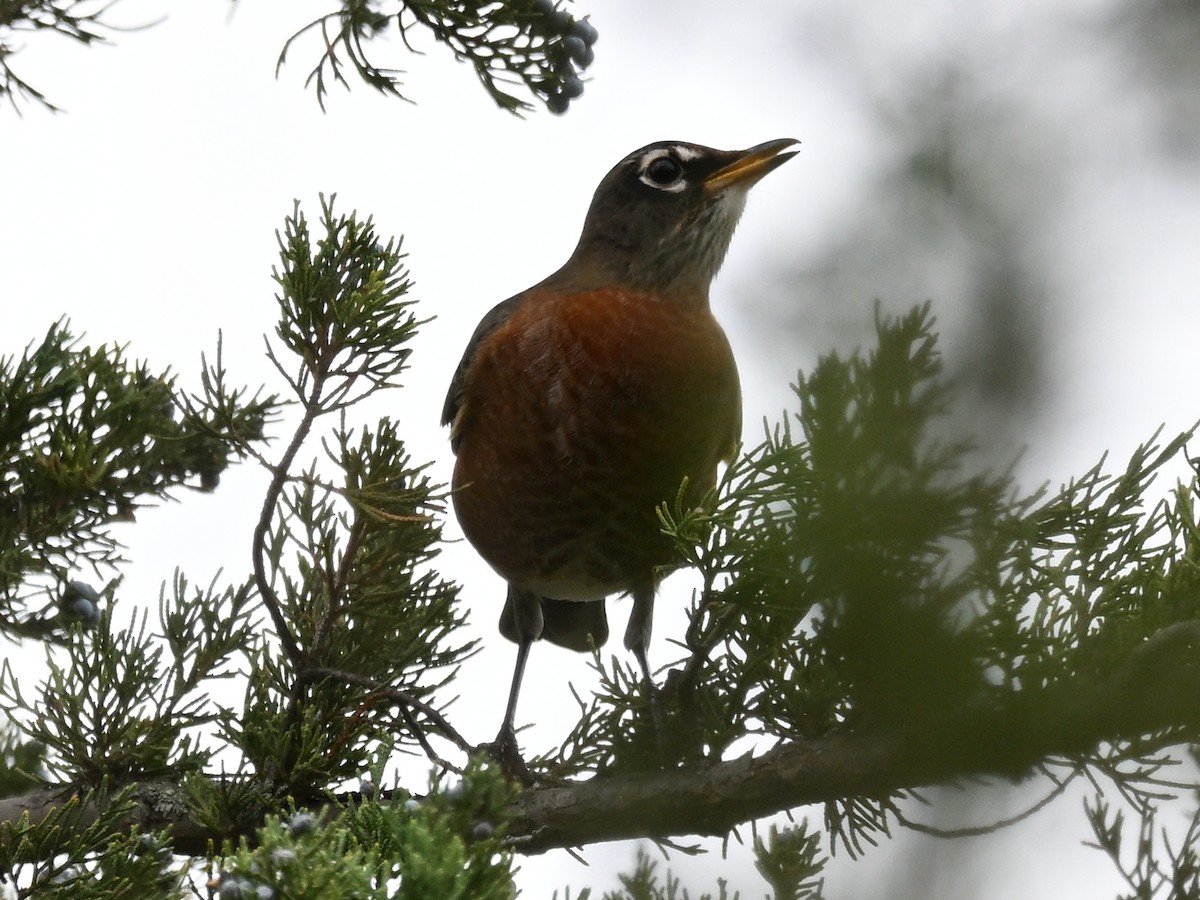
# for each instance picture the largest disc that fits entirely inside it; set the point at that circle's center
(404, 698)
(977, 830)
(419, 733)
(279, 477)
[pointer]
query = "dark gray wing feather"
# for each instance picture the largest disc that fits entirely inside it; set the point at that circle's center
(495, 317)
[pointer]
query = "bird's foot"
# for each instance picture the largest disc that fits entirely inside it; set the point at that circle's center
(507, 755)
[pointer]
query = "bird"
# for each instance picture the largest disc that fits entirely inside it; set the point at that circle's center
(582, 404)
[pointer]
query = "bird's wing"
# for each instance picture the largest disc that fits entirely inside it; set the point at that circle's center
(495, 317)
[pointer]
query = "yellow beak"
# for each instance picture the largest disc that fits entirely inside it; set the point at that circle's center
(751, 165)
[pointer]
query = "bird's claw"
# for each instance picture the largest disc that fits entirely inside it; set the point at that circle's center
(505, 752)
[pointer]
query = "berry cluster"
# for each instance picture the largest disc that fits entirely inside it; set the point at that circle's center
(233, 886)
(81, 602)
(230, 887)
(301, 823)
(570, 49)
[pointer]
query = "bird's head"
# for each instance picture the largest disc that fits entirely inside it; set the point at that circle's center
(662, 219)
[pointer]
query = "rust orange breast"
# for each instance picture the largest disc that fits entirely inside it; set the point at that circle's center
(580, 414)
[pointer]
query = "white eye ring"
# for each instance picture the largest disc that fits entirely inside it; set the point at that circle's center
(662, 170)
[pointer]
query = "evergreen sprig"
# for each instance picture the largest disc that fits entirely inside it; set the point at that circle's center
(86, 437)
(1163, 862)
(368, 632)
(83, 850)
(78, 20)
(115, 709)
(21, 761)
(443, 845)
(790, 860)
(532, 43)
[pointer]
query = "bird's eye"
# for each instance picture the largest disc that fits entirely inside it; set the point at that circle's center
(663, 171)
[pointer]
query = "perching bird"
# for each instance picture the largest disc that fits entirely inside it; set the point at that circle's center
(582, 403)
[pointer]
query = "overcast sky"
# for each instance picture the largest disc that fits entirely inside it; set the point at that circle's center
(146, 214)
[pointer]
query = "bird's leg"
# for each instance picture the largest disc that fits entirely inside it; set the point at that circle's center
(526, 610)
(637, 639)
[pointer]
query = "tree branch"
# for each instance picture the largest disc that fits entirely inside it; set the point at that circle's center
(1155, 692)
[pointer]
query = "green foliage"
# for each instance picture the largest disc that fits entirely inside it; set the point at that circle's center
(643, 884)
(340, 561)
(532, 44)
(79, 20)
(116, 707)
(318, 862)
(791, 862)
(450, 844)
(84, 850)
(365, 629)
(342, 310)
(21, 761)
(520, 42)
(1159, 865)
(1111, 573)
(86, 437)
(444, 846)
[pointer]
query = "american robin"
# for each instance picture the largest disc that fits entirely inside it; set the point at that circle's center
(584, 402)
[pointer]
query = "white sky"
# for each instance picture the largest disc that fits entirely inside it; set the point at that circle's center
(146, 214)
